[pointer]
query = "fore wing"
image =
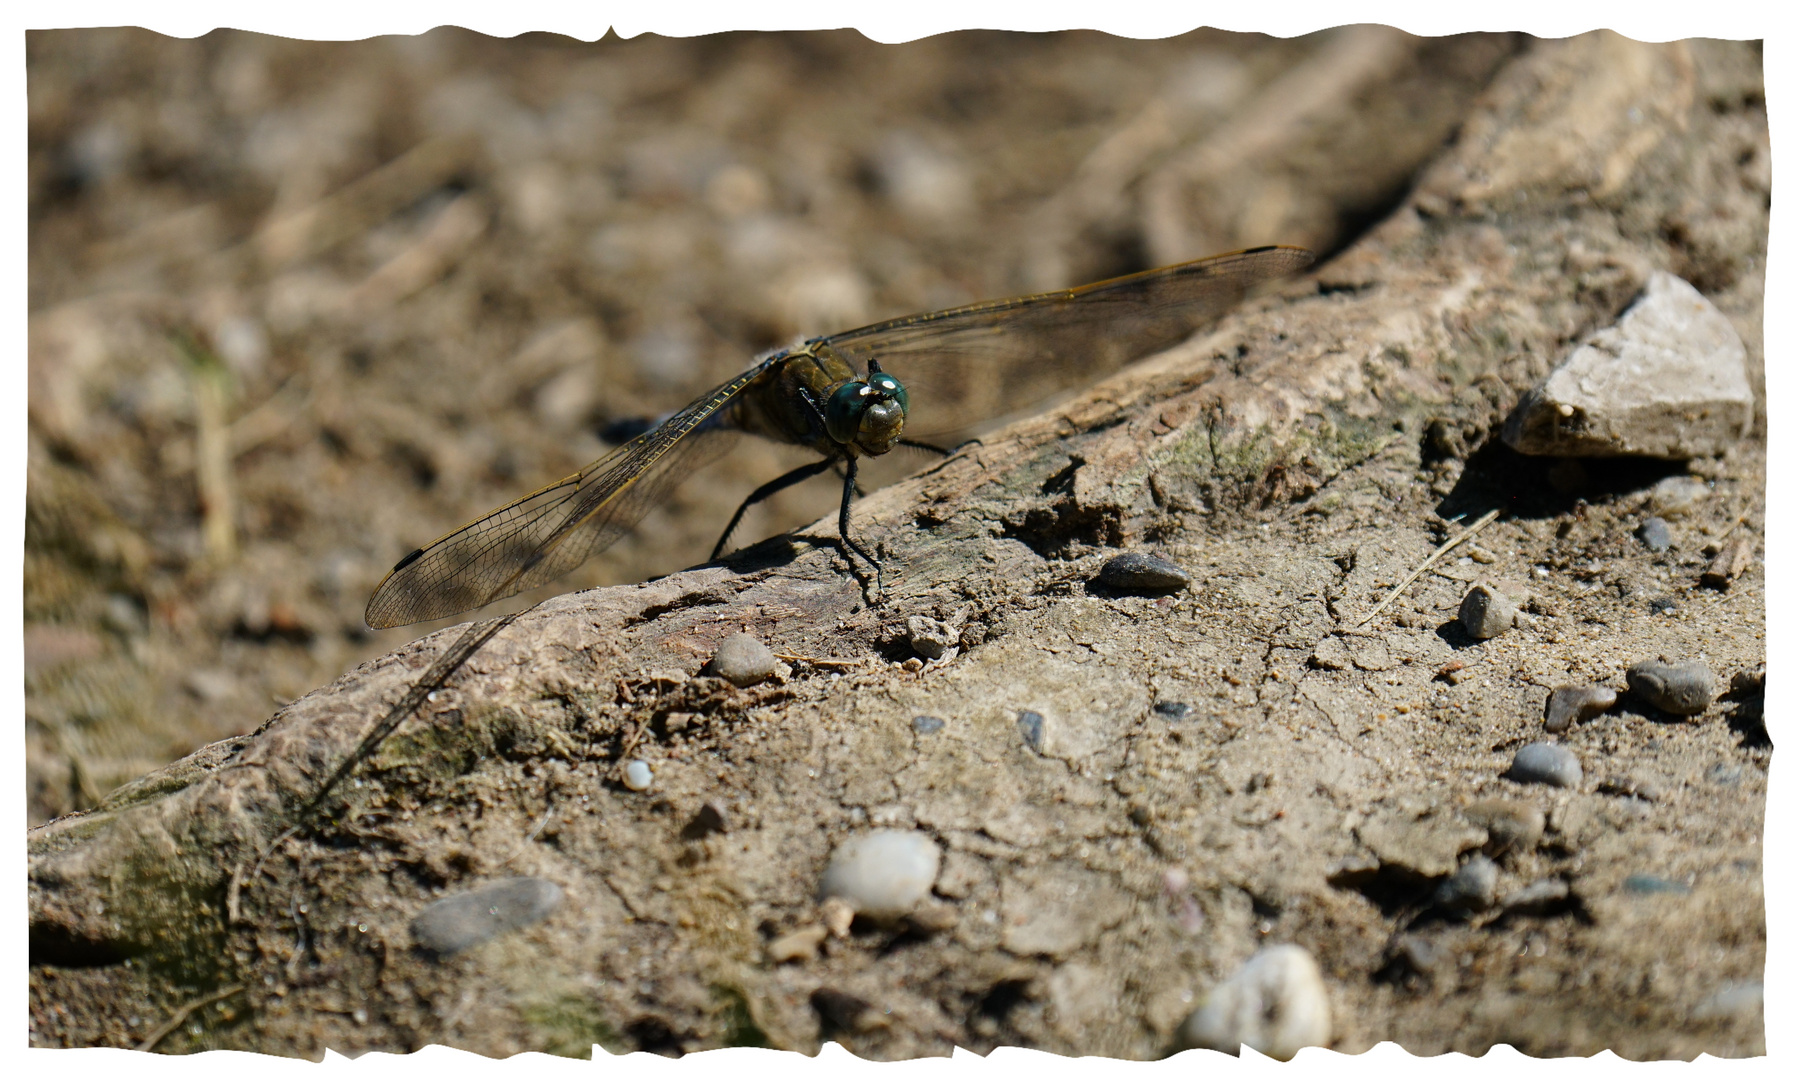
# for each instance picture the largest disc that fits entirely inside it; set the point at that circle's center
(969, 365)
(550, 532)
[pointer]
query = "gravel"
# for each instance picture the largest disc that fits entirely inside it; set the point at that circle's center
(1654, 534)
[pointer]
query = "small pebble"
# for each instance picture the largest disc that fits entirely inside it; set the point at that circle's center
(1511, 824)
(742, 659)
(1172, 710)
(883, 874)
(637, 776)
(1572, 704)
(1663, 605)
(1675, 496)
(1683, 689)
(1538, 898)
(1416, 954)
(1485, 612)
(1276, 1004)
(927, 725)
(1133, 571)
(1725, 775)
(837, 916)
(1032, 726)
(1471, 888)
(1545, 763)
(460, 922)
(1650, 884)
(1744, 1001)
(931, 638)
(1654, 534)
(1634, 787)
(1750, 680)
(797, 945)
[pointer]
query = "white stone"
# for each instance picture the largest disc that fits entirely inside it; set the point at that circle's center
(1276, 1004)
(884, 873)
(1667, 380)
(637, 776)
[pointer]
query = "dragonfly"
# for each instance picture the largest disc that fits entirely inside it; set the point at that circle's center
(833, 395)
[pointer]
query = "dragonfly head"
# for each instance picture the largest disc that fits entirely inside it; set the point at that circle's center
(868, 411)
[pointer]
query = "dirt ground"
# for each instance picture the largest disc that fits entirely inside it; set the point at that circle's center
(298, 308)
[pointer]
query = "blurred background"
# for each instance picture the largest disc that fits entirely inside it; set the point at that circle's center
(297, 308)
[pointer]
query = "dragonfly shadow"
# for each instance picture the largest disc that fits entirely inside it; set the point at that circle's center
(768, 554)
(1497, 477)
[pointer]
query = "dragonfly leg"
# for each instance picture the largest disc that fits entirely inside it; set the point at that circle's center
(766, 491)
(929, 447)
(846, 513)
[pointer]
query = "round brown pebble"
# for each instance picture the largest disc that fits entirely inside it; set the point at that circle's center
(742, 659)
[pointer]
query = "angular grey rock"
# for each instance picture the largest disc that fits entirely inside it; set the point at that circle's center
(931, 638)
(1569, 704)
(884, 873)
(460, 922)
(742, 659)
(1667, 380)
(1486, 612)
(1545, 763)
(1683, 689)
(1276, 1004)
(1133, 571)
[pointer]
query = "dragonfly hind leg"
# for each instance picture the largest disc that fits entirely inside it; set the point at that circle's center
(766, 491)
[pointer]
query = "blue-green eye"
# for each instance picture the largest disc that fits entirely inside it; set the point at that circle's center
(888, 385)
(845, 406)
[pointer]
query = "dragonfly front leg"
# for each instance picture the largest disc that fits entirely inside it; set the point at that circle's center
(846, 513)
(766, 491)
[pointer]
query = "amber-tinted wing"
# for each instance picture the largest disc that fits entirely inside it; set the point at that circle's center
(966, 366)
(550, 532)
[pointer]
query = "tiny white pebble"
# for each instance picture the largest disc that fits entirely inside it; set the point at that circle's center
(884, 873)
(637, 776)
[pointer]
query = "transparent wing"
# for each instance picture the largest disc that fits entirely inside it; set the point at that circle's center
(969, 365)
(550, 532)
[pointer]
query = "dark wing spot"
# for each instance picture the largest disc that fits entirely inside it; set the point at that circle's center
(407, 560)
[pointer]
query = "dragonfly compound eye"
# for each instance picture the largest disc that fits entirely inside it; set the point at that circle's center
(868, 412)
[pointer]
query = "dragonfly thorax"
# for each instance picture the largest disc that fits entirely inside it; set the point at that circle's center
(868, 413)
